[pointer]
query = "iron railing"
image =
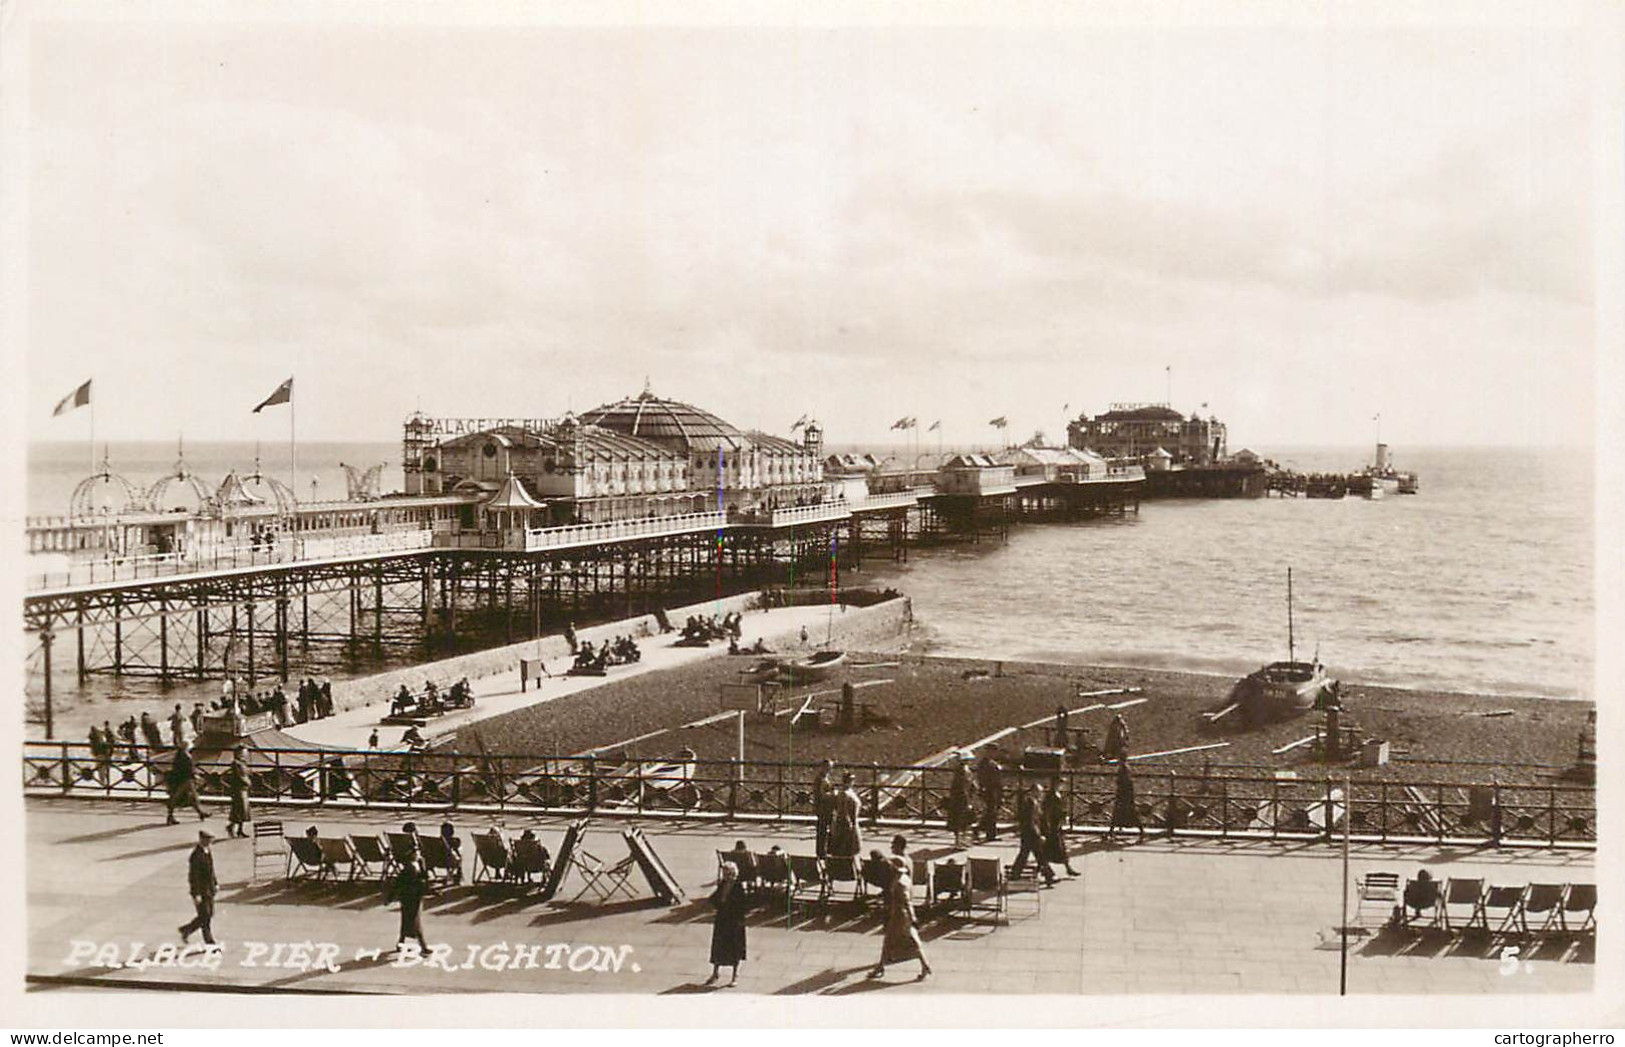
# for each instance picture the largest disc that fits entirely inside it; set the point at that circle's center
(1217, 802)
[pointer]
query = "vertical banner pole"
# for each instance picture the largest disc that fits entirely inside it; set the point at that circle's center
(293, 464)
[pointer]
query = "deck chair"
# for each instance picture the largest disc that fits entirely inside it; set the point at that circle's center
(493, 861)
(599, 877)
(1580, 898)
(844, 869)
(567, 850)
(744, 864)
(807, 877)
(268, 844)
(655, 870)
(304, 858)
(1503, 904)
(1461, 905)
(529, 858)
(401, 846)
(986, 882)
(337, 856)
(948, 881)
(1543, 901)
(372, 858)
(1420, 896)
(441, 858)
(920, 874)
(773, 873)
(1379, 893)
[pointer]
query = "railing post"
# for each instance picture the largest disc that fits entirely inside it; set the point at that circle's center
(592, 783)
(67, 771)
(1382, 813)
(736, 774)
(1224, 808)
(874, 795)
(1330, 809)
(1551, 816)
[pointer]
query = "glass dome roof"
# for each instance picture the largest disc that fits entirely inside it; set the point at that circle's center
(669, 423)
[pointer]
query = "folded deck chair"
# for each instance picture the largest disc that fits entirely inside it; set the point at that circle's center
(655, 871)
(372, 858)
(986, 882)
(807, 877)
(1379, 896)
(304, 858)
(561, 865)
(599, 877)
(1544, 902)
(269, 846)
(1580, 898)
(1502, 903)
(1461, 904)
(492, 859)
(337, 856)
(529, 859)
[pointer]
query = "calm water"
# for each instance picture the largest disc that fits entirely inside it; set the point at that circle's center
(1482, 582)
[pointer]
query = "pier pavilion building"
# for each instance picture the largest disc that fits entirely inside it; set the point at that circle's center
(1137, 430)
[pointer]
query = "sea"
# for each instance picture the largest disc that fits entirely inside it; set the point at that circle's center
(1481, 583)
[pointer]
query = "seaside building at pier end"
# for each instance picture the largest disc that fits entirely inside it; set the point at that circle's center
(1132, 430)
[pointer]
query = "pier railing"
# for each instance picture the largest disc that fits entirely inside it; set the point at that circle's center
(226, 556)
(1219, 802)
(616, 530)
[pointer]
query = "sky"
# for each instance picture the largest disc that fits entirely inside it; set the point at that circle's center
(1300, 226)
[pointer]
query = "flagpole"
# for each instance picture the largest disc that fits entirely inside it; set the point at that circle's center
(293, 461)
(93, 432)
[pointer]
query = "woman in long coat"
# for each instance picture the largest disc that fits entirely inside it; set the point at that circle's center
(845, 837)
(1125, 812)
(237, 781)
(1053, 821)
(728, 932)
(902, 941)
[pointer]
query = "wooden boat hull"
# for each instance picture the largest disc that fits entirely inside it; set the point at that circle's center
(818, 667)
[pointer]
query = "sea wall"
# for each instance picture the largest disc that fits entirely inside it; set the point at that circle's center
(878, 626)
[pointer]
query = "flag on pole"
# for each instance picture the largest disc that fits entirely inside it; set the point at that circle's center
(1000, 422)
(935, 425)
(283, 394)
(903, 423)
(1065, 408)
(799, 423)
(78, 398)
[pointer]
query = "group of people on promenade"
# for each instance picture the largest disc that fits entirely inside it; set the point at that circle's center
(144, 733)
(623, 650)
(432, 701)
(702, 629)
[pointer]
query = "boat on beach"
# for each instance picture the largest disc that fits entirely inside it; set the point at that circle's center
(813, 668)
(1282, 690)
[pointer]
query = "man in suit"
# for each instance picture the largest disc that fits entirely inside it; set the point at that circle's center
(411, 884)
(182, 787)
(1029, 819)
(202, 885)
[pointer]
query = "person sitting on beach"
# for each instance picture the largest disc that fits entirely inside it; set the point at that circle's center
(760, 647)
(413, 740)
(468, 693)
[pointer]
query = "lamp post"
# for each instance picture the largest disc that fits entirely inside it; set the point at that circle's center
(46, 637)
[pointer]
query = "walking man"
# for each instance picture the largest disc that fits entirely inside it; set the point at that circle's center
(1028, 821)
(1054, 824)
(182, 787)
(237, 781)
(201, 884)
(961, 816)
(823, 805)
(411, 884)
(990, 783)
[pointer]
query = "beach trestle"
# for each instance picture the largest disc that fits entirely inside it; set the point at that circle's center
(1221, 801)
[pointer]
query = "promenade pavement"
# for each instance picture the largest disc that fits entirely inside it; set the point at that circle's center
(499, 693)
(1159, 916)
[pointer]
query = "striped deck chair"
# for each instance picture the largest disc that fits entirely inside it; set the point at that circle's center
(1580, 898)
(1461, 904)
(439, 859)
(1544, 901)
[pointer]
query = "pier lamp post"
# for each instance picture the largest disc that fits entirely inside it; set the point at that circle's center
(46, 637)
